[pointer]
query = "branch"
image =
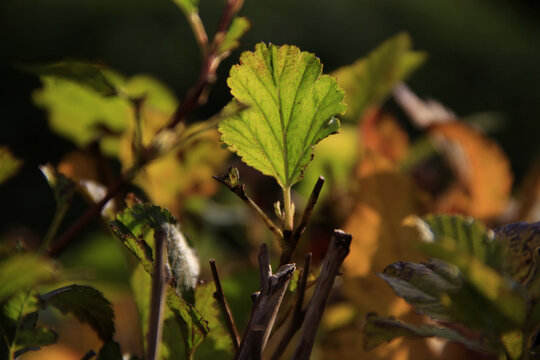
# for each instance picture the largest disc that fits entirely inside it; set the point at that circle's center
(291, 242)
(298, 313)
(265, 269)
(156, 301)
(207, 75)
(219, 295)
(264, 311)
(64, 240)
(230, 180)
(337, 251)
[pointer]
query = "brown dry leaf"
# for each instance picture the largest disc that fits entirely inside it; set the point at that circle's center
(484, 178)
(382, 133)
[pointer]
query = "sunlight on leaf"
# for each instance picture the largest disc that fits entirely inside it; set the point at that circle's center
(188, 6)
(81, 114)
(239, 26)
(292, 107)
(23, 271)
(369, 80)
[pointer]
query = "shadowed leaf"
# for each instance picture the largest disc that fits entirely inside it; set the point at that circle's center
(86, 304)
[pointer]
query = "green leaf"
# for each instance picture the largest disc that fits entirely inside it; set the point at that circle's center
(368, 81)
(217, 345)
(86, 304)
(423, 285)
(9, 164)
(21, 272)
(86, 74)
(110, 351)
(240, 25)
(292, 107)
(131, 227)
(82, 115)
(463, 234)
(379, 330)
(192, 324)
(141, 286)
(18, 318)
(188, 6)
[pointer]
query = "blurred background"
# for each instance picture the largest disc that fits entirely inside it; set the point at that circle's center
(483, 63)
(483, 57)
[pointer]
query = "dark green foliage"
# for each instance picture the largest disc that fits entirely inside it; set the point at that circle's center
(86, 304)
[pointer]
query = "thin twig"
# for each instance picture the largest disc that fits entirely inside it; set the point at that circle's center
(240, 190)
(64, 240)
(156, 301)
(264, 311)
(291, 241)
(298, 312)
(219, 295)
(207, 75)
(337, 251)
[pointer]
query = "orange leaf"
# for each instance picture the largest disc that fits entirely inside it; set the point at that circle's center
(484, 179)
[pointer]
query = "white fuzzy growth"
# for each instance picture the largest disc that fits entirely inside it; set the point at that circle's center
(183, 260)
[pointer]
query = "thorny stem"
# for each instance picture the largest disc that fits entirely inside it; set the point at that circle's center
(219, 295)
(156, 301)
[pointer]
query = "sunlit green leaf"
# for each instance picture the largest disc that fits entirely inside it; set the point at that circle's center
(370, 80)
(87, 74)
(81, 114)
(9, 164)
(292, 107)
(379, 330)
(239, 26)
(86, 304)
(23, 271)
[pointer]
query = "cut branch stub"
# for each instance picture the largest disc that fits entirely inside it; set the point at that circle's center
(265, 308)
(337, 251)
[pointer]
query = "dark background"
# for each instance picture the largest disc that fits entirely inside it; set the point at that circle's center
(483, 57)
